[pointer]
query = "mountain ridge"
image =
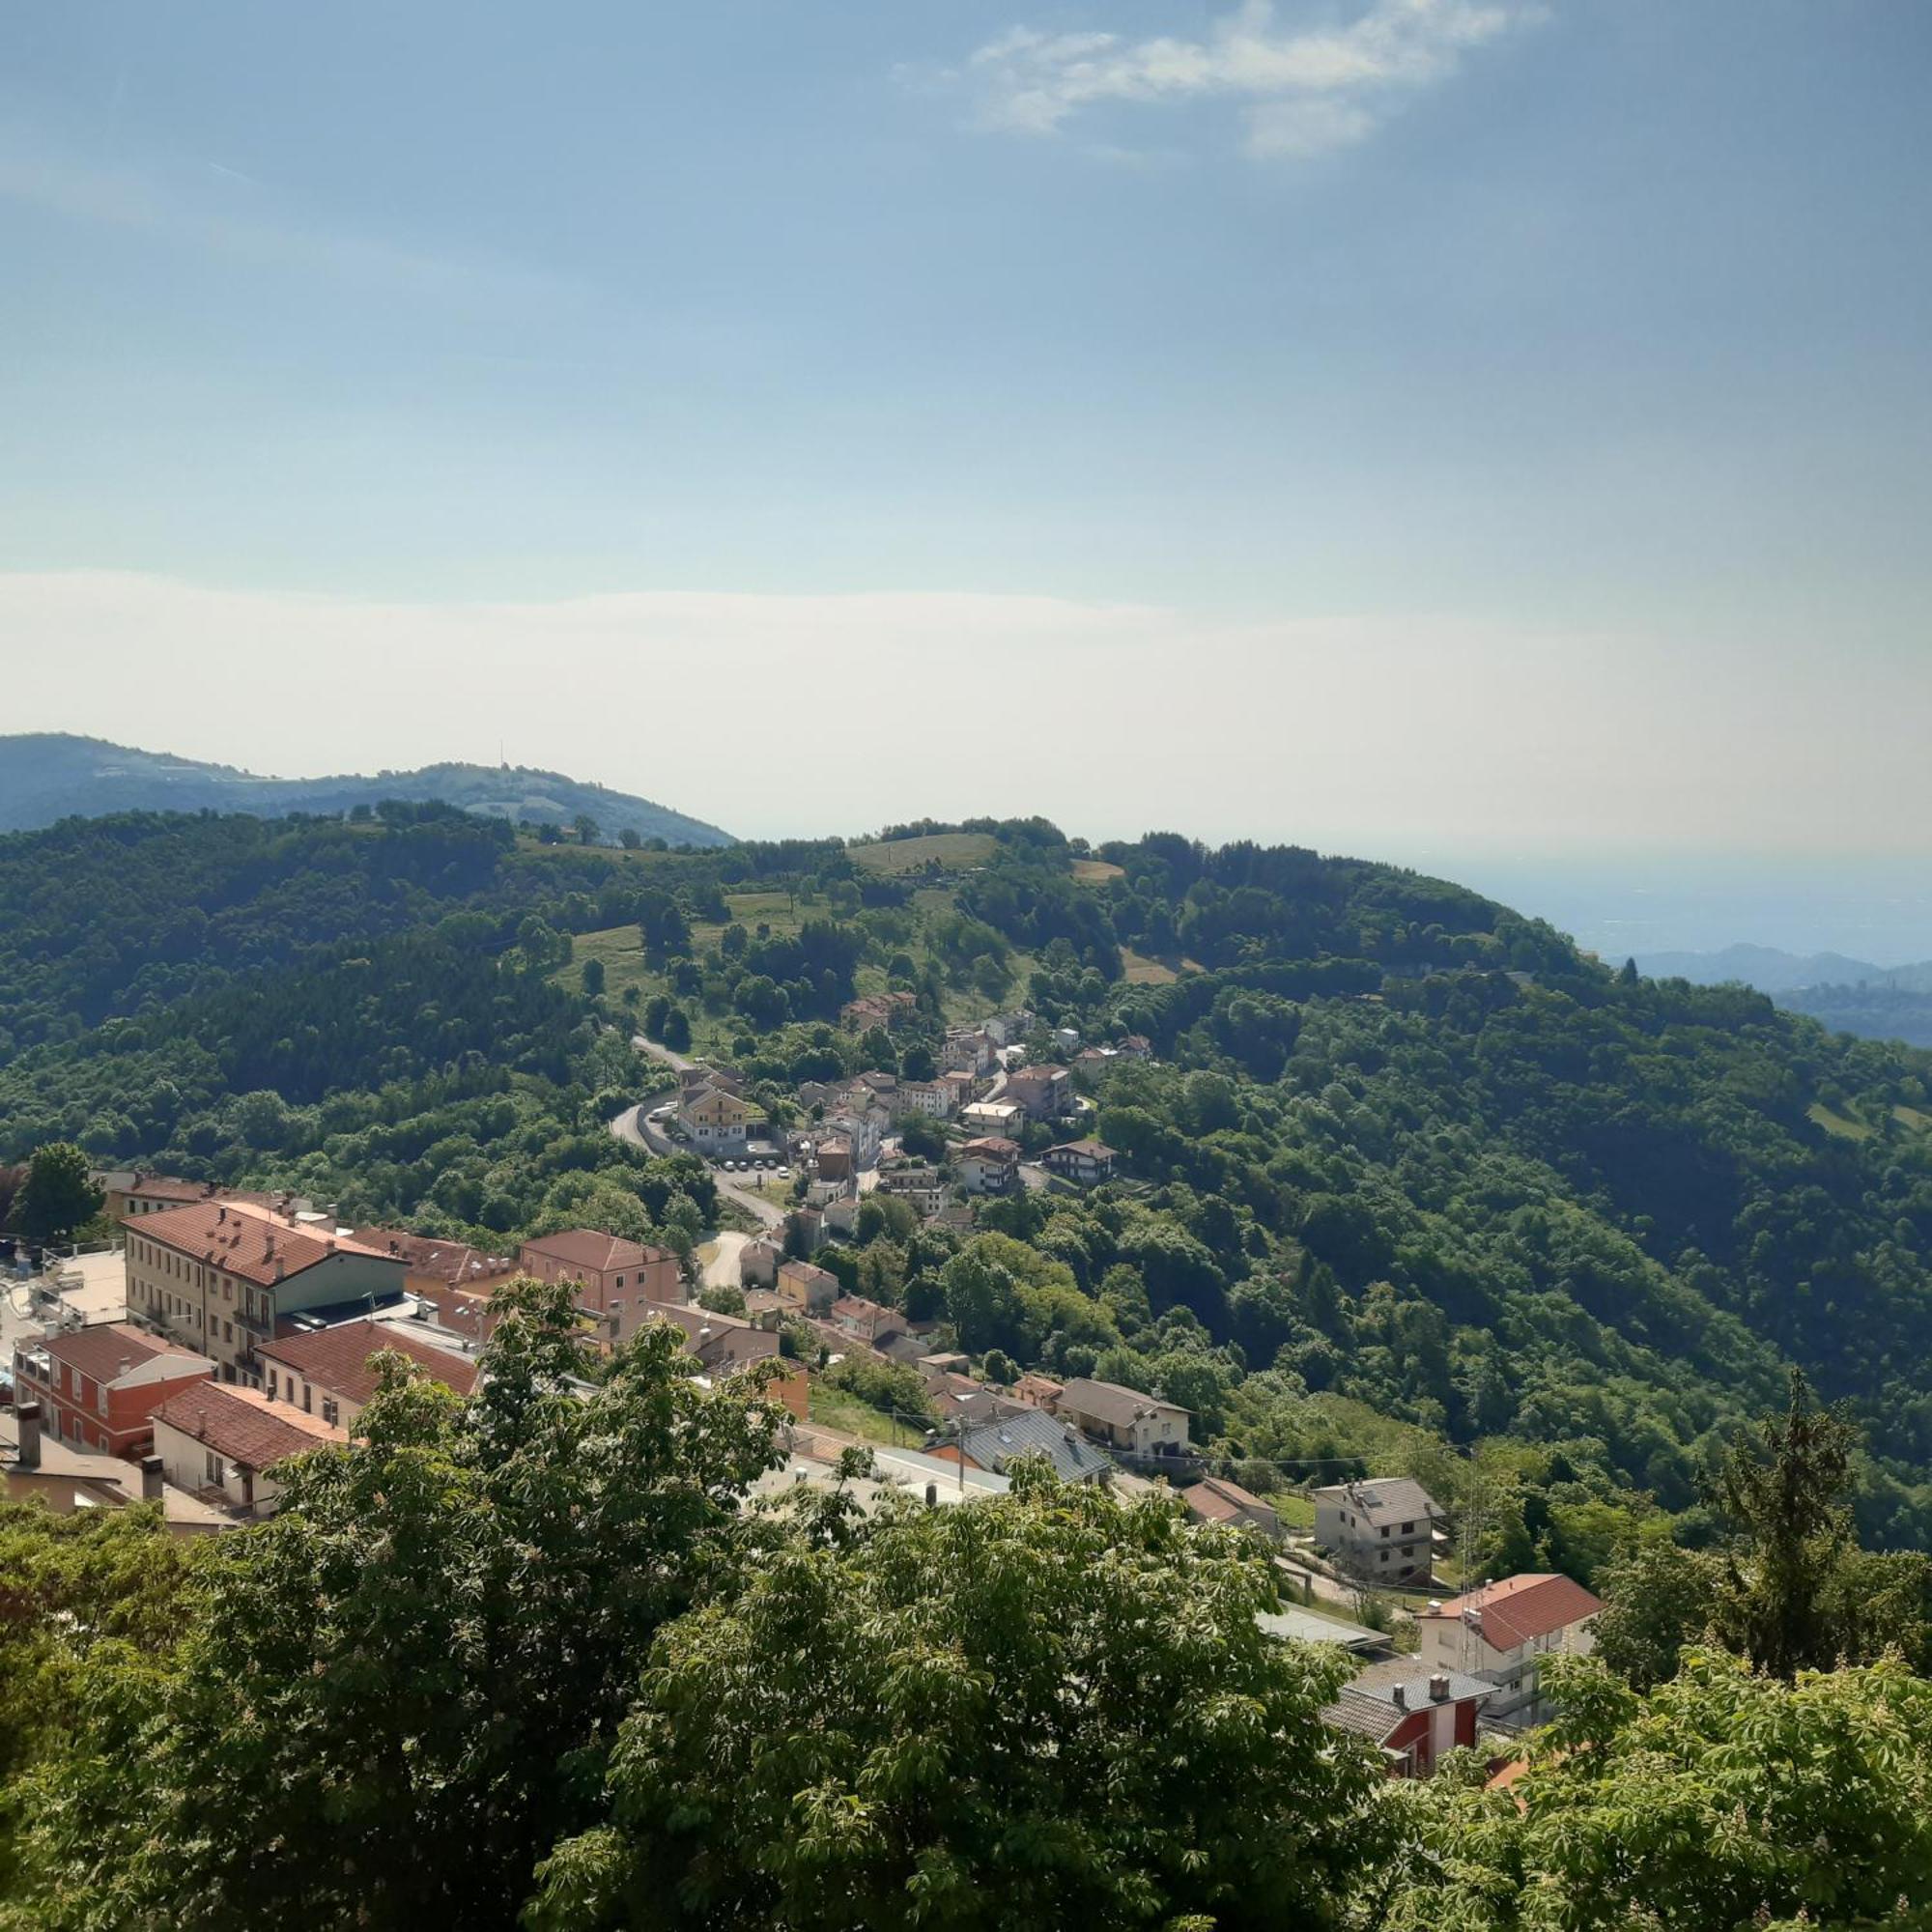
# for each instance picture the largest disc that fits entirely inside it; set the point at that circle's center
(46, 776)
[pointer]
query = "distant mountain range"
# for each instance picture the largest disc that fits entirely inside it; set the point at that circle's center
(1847, 995)
(51, 775)
(1773, 971)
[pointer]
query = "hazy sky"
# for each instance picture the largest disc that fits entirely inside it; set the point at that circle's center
(1427, 427)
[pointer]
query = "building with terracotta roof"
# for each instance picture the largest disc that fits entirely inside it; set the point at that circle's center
(1502, 1631)
(1046, 1092)
(867, 1320)
(219, 1276)
(219, 1441)
(988, 1165)
(1215, 1499)
(805, 1287)
(615, 1277)
(99, 1387)
(1085, 1162)
(1124, 1418)
(332, 1371)
(719, 1342)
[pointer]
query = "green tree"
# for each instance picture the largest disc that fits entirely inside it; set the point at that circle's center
(1051, 1708)
(676, 1030)
(593, 978)
(1725, 1799)
(59, 1193)
(628, 838)
(1784, 1486)
(1656, 1598)
(585, 828)
(405, 1682)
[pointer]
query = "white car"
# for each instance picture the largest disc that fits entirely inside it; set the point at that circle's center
(660, 1113)
(729, 1166)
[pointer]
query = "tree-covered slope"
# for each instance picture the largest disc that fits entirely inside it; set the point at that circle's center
(1407, 1166)
(49, 776)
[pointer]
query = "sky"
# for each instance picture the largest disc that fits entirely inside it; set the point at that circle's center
(1481, 433)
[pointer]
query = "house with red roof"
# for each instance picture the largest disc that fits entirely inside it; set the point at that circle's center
(334, 1371)
(1502, 1631)
(99, 1387)
(619, 1283)
(219, 1441)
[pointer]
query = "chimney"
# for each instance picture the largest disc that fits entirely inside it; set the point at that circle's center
(220, 1215)
(1400, 1692)
(150, 1479)
(1438, 1689)
(28, 1454)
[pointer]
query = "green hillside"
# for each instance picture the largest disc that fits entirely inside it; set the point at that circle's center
(1408, 1175)
(49, 776)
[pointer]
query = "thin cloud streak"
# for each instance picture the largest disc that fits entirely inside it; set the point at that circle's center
(1301, 92)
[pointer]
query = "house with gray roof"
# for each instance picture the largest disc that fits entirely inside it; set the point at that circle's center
(1411, 1715)
(1000, 1443)
(1382, 1529)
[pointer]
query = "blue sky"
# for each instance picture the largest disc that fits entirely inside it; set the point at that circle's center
(1381, 354)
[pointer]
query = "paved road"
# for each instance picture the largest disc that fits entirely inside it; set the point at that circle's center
(722, 1270)
(634, 1124)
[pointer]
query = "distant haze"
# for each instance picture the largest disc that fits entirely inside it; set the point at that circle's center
(1641, 797)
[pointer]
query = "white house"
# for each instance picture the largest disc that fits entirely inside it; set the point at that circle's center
(1502, 1631)
(1382, 1529)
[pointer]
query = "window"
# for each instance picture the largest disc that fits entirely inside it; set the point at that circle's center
(329, 1409)
(1385, 1529)
(620, 1281)
(1409, 1529)
(228, 1331)
(1383, 1555)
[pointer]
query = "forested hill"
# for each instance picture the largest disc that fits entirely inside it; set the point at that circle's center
(1406, 1168)
(49, 776)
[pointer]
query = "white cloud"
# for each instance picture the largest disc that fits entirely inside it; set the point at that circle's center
(1302, 91)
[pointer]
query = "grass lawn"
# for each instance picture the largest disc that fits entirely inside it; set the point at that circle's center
(841, 1410)
(1138, 970)
(1842, 1125)
(779, 911)
(1095, 872)
(1295, 1511)
(1913, 1118)
(947, 849)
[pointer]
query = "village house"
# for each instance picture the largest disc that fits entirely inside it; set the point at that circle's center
(1124, 1418)
(999, 1118)
(832, 1162)
(960, 1087)
(867, 1321)
(1136, 1046)
(720, 1121)
(615, 1277)
(1086, 1162)
(57, 1476)
(217, 1277)
(1008, 1029)
(922, 1188)
(999, 1443)
(862, 1128)
(98, 1388)
(450, 1279)
(758, 1263)
(878, 1010)
(1412, 1714)
(933, 1098)
(969, 1050)
(694, 1079)
(1382, 1530)
(332, 1371)
(1038, 1391)
(219, 1441)
(1502, 1631)
(1045, 1092)
(722, 1342)
(1215, 1499)
(988, 1165)
(805, 1289)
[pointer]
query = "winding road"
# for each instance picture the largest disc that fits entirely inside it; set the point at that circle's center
(634, 1124)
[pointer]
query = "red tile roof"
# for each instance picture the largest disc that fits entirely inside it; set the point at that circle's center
(342, 1359)
(437, 1256)
(1521, 1608)
(590, 1249)
(243, 1425)
(247, 1240)
(107, 1352)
